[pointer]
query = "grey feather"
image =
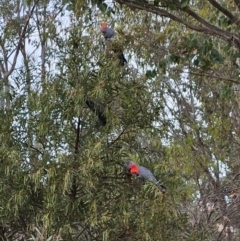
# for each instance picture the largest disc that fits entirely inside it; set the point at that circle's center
(146, 174)
(108, 33)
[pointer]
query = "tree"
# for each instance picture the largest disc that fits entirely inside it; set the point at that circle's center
(62, 175)
(193, 66)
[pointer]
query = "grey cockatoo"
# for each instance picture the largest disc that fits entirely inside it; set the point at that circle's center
(109, 34)
(144, 174)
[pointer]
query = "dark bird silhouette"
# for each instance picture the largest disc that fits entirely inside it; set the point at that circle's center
(98, 109)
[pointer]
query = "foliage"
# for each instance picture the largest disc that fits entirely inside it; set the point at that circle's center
(173, 108)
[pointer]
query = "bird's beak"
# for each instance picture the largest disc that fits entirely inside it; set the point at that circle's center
(125, 166)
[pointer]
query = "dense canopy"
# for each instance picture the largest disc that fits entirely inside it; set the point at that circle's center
(72, 114)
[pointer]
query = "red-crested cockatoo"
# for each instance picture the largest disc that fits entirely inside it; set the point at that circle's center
(144, 174)
(108, 33)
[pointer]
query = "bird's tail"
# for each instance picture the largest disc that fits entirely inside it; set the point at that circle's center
(119, 53)
(161, 187)
(98, 109)
(91, 105)
(122, 59)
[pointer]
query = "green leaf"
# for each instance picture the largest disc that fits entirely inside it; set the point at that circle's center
(172, 6)
(215, 56)
(70, 7)
(151, 73)
(184, 4)
(103, 7)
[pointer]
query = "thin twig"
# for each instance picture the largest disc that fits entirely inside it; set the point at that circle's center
(122, 132)
(20, 40)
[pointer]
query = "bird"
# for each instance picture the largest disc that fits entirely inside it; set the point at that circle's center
(108, 34)
(144, 174)
(98, 109)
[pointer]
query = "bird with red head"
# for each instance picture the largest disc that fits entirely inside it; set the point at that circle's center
(108, 34)
(143, 173)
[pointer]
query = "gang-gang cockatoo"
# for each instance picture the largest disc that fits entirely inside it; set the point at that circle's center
(143, 173)
(109, 34)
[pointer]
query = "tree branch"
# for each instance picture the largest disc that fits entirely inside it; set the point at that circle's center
(237, 2)
(2, 67)
(225, 12)
(207, 28)
(20, 40)
(119, 136)
(215, 77)
(211, 27)
(161, 12)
